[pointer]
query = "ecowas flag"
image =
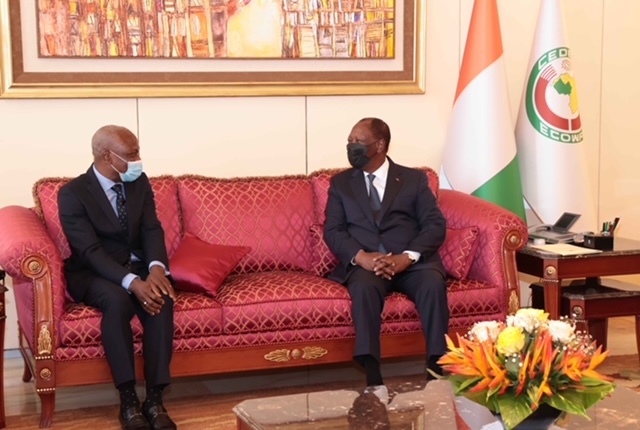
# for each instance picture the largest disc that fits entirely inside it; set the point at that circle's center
(480, 150)
(549, 128)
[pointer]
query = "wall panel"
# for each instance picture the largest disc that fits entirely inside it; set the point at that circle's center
(224, 137)
(618, 151)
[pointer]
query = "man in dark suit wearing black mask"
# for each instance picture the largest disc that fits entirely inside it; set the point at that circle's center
(119, 265)
(384, 225)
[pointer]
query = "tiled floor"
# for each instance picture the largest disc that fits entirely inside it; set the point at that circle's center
(20, 397)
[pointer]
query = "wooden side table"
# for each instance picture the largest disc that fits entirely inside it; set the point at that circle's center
(3, 318)
(552, 269)
(592, 306)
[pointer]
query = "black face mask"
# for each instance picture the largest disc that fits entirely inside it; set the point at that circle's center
(357, 154)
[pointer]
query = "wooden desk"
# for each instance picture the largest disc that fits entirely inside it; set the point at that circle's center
(624, 259)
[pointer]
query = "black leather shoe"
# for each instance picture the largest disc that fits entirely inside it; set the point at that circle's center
(158, 417)
(133, 419)
(433, 367)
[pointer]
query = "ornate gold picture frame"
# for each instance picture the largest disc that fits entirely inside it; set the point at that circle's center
(26, 74)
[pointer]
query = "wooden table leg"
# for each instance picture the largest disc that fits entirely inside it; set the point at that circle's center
(598, 331)
(552, 298)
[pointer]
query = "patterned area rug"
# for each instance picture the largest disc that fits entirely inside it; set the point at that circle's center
(214, 412)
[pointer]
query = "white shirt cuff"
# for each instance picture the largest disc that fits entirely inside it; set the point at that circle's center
(413, 255)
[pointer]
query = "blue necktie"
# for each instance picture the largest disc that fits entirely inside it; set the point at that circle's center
(121, 205)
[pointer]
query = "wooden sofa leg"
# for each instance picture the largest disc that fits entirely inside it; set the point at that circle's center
(48, 403)
(26, 373)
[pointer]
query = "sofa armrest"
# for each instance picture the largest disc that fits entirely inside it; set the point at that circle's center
(30, 257)
(501, 234)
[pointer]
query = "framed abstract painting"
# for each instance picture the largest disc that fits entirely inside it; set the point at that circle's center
(205, 48)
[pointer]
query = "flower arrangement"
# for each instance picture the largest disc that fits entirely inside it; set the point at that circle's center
(515, 366)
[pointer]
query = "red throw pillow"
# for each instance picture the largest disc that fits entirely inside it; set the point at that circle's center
(458, 250)
(201, 267)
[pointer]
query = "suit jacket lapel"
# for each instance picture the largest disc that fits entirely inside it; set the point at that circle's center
(394, 183)
(100, 197)
(360, 192)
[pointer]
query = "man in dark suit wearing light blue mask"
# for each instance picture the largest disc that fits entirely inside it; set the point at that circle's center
(119, 265)
(384, 225)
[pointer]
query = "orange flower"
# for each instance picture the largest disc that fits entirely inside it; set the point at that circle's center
(529, 361)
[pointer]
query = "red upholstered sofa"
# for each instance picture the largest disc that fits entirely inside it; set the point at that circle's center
(275, 309)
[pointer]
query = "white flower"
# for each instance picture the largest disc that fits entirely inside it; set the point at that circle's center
(528, 319)
(486, 330)
(561, 331)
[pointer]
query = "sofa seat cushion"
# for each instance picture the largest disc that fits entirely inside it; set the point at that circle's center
(274, 338)
(290, 301)
(471, 301)
(267, 301)
(80, 326)
(399, 315)
(195, 315)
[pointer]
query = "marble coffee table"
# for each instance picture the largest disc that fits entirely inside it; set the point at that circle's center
(411, 406)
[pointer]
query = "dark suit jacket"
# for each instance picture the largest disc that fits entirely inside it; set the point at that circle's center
(409, 219)
(99, 245)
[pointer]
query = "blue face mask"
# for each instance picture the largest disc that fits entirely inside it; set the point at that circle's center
(134, 169)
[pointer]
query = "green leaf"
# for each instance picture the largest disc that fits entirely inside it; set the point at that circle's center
(513, 410)
(512, 364)
(462, 383)
(570, 402)
(480, 398)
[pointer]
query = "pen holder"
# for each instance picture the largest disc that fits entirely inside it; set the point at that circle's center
(598, 241)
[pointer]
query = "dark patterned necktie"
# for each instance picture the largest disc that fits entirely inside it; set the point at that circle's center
(374, 202)
(121, 205)
(374, 197)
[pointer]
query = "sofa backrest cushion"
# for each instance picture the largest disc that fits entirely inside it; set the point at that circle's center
(458, 251)
(45, 195)
(323, 259)
(165, 193)
(272, 215)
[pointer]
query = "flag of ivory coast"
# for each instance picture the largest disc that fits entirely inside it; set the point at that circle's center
(549, 128)
(480, 151)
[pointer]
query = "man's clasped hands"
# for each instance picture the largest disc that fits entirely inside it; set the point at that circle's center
(384, 265)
